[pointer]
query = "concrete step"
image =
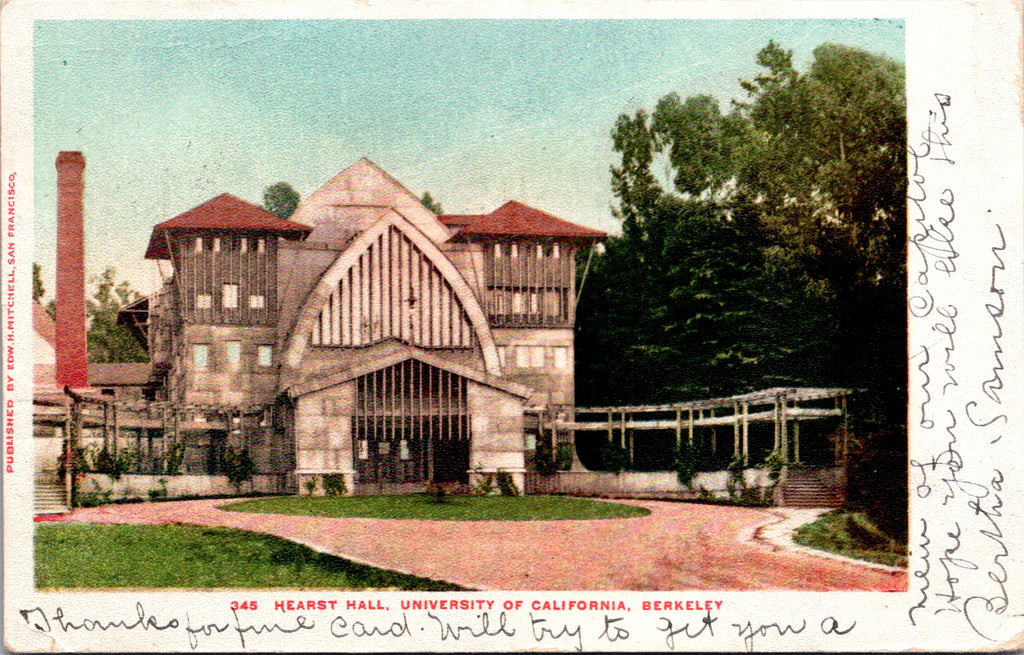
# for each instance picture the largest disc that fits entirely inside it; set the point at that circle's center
(50, 498)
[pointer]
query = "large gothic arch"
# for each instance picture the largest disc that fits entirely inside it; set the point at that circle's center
(457, 314)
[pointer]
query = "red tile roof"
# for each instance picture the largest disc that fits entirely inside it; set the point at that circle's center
(223, 213)
(516, 219)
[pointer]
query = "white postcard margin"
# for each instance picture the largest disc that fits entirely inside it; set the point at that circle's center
(966, 582)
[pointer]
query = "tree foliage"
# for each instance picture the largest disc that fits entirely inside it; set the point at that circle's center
(281, 200)
(38, 290)
(769, 253)
(108, 341)
(431, 204)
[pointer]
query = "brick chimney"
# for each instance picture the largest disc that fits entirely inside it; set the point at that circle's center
(72, 358)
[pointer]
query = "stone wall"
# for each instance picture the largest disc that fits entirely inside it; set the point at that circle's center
(139, 486)
(221, 383)
(638, 484)
(497, 432)
(552, 385)
(323, 434)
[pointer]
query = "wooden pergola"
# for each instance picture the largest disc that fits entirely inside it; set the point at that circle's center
(782, 406)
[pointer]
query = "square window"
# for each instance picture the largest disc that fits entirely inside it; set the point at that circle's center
(561, 357)
(537, 356)
(204, 301)
(265, 355)
(234, 351)
(200, 355)
(257, 301)
(384, 448)
(517, 302)
(230, 298)
(523, 356)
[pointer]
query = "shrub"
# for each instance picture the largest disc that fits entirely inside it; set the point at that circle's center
(613, 457)
(174, 458)
(736, 484)
(158, 494)
(484, 485)
(238, 466)
(114, 466)
(436, 492)
(684, 461)
(506, 484)
(774, 463)
(311, 484)
(334, 485)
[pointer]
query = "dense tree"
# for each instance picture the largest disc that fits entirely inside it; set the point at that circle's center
(108, 341)
(771, 254)
(776, 255)
(281, 200)
(431, 204)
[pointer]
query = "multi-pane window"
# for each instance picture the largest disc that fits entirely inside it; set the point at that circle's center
(200, 355)
(265, 355)
(529, 283)
(229, 299)
(234, 351)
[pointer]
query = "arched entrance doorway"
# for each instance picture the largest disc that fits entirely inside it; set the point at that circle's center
(411, 425)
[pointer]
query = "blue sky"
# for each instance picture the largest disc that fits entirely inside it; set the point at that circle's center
(172, 113)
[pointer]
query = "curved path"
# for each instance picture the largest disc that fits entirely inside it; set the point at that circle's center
(678, 546)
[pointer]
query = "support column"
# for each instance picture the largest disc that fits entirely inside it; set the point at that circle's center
(775, 421)
(624, 438)
(714, 433)
(690, 428)
(745, 434)
(783, 430)
(679, 428)
(611, 427)
(796, 441)
(735, 429)
(846, 430)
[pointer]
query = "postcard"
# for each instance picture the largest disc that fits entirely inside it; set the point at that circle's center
(578, 326)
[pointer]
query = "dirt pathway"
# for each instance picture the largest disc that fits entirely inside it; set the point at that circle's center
(678, 546)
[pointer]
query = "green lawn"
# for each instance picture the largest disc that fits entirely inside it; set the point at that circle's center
(852, 535)
(455, 508)
(77, 555)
